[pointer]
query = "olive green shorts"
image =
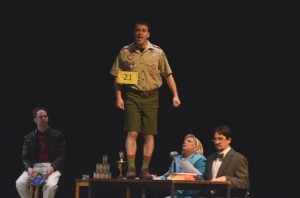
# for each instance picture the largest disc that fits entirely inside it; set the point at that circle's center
(141, 113)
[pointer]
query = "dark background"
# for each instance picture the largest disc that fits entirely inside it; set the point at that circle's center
(230, 61)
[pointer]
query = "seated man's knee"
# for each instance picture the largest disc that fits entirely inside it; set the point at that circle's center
(50, 185)
(20, 183)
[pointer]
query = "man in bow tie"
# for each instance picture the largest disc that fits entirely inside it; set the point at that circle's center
(226, 164)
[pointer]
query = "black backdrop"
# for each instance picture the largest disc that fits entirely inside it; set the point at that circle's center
(230, 61)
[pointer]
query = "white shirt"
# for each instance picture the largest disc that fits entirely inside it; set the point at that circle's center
(217, 163)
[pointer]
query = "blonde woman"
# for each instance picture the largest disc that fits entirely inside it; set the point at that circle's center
(192, 151)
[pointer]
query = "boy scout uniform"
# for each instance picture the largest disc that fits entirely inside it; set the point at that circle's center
(141, 73)
(148, 65)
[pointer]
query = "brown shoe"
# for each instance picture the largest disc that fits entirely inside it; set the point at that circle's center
(131, 173)
(145, 174)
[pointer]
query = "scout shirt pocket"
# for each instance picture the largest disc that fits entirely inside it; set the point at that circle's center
(153, 68)
(130, 66)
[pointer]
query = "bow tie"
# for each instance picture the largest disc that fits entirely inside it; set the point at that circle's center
(220, 155)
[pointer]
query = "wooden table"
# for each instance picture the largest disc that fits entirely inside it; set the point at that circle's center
(171, 185)
(80, 183)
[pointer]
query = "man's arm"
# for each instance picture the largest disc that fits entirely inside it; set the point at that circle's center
(172, 86)
(118, 93)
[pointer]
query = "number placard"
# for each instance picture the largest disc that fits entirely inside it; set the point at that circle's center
(126, 77)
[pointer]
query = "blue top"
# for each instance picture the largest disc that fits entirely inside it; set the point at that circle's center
(198, 161)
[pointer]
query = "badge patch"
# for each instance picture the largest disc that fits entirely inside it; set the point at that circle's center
(129, 56)
(153, 69)
(130, 65)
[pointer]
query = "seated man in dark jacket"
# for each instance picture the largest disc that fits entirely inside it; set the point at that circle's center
(227, 164)
(44, 152)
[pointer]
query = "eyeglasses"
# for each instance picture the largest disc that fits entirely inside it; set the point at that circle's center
(44, 116)
(220, 139)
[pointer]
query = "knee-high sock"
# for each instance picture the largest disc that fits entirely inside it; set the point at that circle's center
(131, 161)
(146, 161)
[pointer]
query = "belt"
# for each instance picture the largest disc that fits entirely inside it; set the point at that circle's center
(143, 94)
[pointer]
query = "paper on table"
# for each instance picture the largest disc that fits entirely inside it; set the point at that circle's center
(187, 166)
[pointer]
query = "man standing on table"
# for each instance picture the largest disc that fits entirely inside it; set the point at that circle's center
(138, 69)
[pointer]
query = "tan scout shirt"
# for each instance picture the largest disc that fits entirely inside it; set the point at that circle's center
(150, 64)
